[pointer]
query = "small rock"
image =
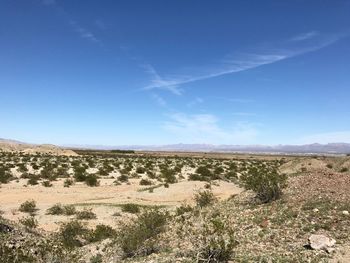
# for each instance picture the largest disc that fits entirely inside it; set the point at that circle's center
(315, 210)
(345, 213)
(321, 242)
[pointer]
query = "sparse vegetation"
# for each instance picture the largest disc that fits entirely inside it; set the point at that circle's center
(131, 208)
(85, 214)
(28, 206)
(138, 238)
(266, 182)
(204, 198)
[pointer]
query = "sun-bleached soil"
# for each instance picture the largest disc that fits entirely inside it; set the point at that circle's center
(103, 200)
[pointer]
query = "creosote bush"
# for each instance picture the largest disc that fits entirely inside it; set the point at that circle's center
(91, 180)
(29, 222)
(59, 209)
(68, 182)
(204, 198)
(101, 232)
(215, 243)
(138, 238)
(131, 208)
(265, 181)
(72, 233)
(28, 206)
(85, 214)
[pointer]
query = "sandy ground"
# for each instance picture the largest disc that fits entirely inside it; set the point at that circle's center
(103, 200)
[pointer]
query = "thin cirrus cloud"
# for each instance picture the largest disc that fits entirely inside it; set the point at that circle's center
(300, 44)
(200, 128)
(82, 32)
(305, 36)
(159, 100)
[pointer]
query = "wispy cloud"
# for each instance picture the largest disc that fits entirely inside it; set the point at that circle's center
(158, 82)
(159, 100)
(242, 62)
(82, 31)
(200, 128)
(194, 102)
(305, 36)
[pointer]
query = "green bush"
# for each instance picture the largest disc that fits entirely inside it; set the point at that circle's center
(123, 178)
(29, 222)
(33, 180)
(329, 165)
(145, 182)
(28, 206)
(204, 198)
(58, 209)
(215, 243)
(101, 232)
(344, 170)
(131, 208)
(182, 209)
(68, 182)
(85, 214)
(138, 238)
(96, 259)
(140, 170)
(5, 176)
(265, 181)
(47, 183)
(73, 233)
(91, 180)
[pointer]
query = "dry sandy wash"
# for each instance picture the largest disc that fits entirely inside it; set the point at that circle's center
(104, 199)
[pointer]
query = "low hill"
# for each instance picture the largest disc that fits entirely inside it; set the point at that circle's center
(17, 146)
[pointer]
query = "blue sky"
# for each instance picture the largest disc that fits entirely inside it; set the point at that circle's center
(159, 72)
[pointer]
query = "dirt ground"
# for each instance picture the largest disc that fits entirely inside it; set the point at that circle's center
(104, 200)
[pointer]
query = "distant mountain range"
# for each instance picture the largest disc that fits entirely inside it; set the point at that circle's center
(315, 148)
(330, 148)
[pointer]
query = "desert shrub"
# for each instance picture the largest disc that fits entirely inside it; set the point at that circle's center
(101, 232)
(204, 171)
(29, 222)
(215, 243)
(68, 182)
(46, 183)
(169, 176)
(85, 214)
(56, 209)
(91, 180)
(182, 209)
(329, 165)
(5, 176)
(266, 182)
(28, 206)
(123, 178)
(140, 170)
(344, 170)
(197, 177)
(59, 209)
(138, 238)
(69, 210)
(33, 180)
(80, 174)
(204, 198)
(145, 182)
(96, 258)
(73, 233)
(131, 208)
